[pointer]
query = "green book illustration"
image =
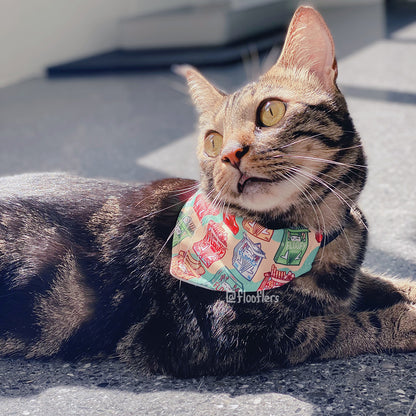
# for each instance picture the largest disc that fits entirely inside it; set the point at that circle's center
(293, 247)
(184, 228)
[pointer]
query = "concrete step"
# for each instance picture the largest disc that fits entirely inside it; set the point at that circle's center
(219, 23)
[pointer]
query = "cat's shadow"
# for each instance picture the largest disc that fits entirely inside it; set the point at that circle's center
(362, 385)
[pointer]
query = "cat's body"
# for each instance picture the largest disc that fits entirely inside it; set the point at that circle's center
(84, 265)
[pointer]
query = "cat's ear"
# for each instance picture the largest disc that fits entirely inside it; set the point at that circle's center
(309, 45)
(204, 95)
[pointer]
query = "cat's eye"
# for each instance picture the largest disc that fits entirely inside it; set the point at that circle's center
(270, 112)
(213, 144)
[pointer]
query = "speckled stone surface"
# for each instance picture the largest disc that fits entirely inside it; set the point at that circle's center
(369, 385)
(140, 127)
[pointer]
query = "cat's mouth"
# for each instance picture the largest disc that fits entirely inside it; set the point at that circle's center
(245, 180)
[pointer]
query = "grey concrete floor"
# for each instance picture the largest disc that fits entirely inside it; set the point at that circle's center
(141, 127)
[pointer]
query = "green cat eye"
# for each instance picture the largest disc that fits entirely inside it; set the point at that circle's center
(270, 112)
(213, 144)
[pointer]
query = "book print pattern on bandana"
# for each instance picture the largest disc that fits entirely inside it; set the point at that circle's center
(227, 253)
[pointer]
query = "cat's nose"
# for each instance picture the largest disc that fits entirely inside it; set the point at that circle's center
(233, 154)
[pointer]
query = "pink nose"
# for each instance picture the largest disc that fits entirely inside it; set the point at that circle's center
(234, 155)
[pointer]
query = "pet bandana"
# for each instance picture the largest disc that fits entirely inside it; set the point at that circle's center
(226, 253)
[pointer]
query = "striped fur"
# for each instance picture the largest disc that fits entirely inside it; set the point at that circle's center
(84, 264)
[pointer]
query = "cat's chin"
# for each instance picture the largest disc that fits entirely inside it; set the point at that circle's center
(266, 196)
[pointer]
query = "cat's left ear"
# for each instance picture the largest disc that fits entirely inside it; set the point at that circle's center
(309, 45)
(204, 95)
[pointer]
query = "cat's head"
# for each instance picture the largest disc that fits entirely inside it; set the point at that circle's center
(285, 144)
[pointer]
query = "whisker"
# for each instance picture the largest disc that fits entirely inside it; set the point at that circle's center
(333, 162)
(340, 195)
(271, 58)
(268, 149)
(314, 204)
(325, 184)
(292, 180)
(311, 171)
(251, 62)
(153, 213)
(299, 141)
(167, 240)
(173, 230)
(299, 171)
(175, 192)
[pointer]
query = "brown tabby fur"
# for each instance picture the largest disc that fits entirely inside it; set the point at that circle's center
(84, 264)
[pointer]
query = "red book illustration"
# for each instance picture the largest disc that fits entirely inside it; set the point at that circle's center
(213, 246)
(202, 207)
(231, 223)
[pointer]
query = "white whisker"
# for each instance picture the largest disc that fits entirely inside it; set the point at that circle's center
(299, 141)
(292, 180)
(333, 162)
(341, 196)
(215, 204)
(340, 224)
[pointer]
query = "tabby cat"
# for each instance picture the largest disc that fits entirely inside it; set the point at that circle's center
(85, 264)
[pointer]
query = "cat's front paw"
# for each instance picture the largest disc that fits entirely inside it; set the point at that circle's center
(407, 288)
(404, 333)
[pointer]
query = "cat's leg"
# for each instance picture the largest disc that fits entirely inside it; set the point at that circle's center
(379, 292)
(392, 329)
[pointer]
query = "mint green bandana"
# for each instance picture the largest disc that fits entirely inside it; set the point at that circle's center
(226, 253)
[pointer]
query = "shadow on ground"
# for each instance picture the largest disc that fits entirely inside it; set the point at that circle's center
(366, 385)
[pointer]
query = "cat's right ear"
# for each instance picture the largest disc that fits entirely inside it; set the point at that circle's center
(309, 45)
(204, 95)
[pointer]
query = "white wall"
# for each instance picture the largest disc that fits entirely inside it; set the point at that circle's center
(35, 34)
(38, 33)
(139, 7)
